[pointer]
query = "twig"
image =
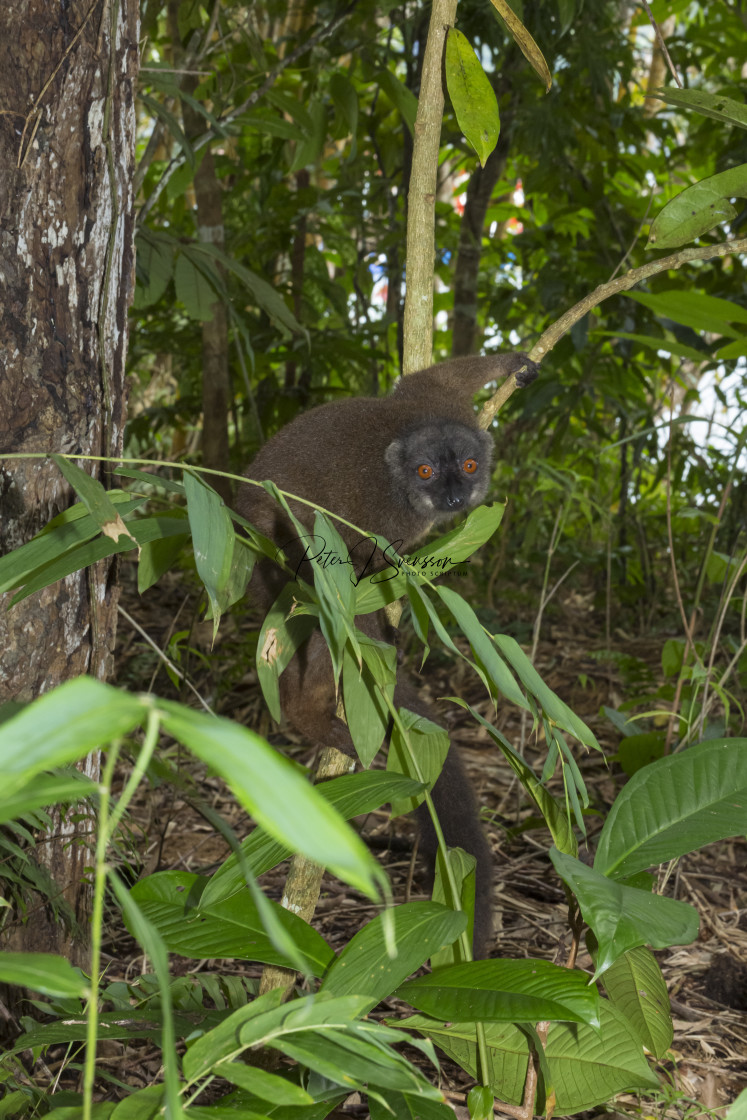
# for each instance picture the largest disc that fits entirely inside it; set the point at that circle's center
(660, 41)
(561, 326)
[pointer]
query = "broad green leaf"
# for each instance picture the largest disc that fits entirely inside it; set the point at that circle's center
(335, 586)
(154, 266)
(73, 527)
(450, 551)
(698, 208)
(171, 902)
(264, 295)
(43, 972)
(312, 146)
(694, 309)
(351, 794)
(738, 1110)
(283, 632)
(401, 97)
(667, 344)
(268, 1086)
(480, 1102)
(430, 745)
(637, 751)
(674, 806)
(472, 95)
(94, 497)
(156, 557)
(80, 556)
(715, 105)
(589, 1065)
(635, 985)
(624, 917)
(100, 1110)
(143, 1104)
(461, 866)
(552, 705)
(388, 1104)
(505, 991)
(366, 712)
(364, 966)
(552, 812)
(221, 1044)
(353, 1055)
(278, 797)
(482, 646)
(213, 541)
(63, 726)
(194, 289)
(46, 789)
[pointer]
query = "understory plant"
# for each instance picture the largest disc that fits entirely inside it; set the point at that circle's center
(538, 1036)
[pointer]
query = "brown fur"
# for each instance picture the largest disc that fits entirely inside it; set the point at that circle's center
(335, 455)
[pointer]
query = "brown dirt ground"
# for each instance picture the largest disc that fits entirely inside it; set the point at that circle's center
(707, 980)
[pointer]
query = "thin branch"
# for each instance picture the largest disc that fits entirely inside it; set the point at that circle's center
(561, 326)
(660, 41)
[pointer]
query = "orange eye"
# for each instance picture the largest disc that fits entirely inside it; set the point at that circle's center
(424, 471)
(469, 466)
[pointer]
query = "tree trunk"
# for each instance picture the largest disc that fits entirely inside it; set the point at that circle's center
(469, 253)
(67, 149)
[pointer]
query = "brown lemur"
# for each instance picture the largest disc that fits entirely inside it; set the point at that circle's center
(396, 466)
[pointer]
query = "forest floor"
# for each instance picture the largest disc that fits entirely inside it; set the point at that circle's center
(707, 980)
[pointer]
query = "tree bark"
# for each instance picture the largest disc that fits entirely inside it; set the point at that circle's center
(469, 253)
(67, 150)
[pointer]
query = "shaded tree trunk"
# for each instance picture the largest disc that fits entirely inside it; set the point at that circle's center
(67, 149)
(469, 252)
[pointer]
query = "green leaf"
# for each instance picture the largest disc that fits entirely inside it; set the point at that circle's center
(482, 646)
(430, 745)
(461, 866)
(278, 798)
(213, 541)
(505, 991)
(283, 632)
(401, 97)
(194, 289)
(351, 794)
(635, 985)
(652, 342)
(268, 1086)
(63, 726)
(154, 266)
(353, 1055)
(388, 1104)
(552, 813)
(46, 789)
(552, 705)
(624, 917)
(480, 1102)
(221, 1044)
(714, 105)
(589, 1065)
(366, 711)
(94, 497)
(171, 901)
(674, 806)
(312, 146)
(43, 972)
(694, 309)
(471, 95)
(698, 209)
(451, 550)
(364, 966)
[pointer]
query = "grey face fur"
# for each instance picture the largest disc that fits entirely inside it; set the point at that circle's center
(456, 460)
